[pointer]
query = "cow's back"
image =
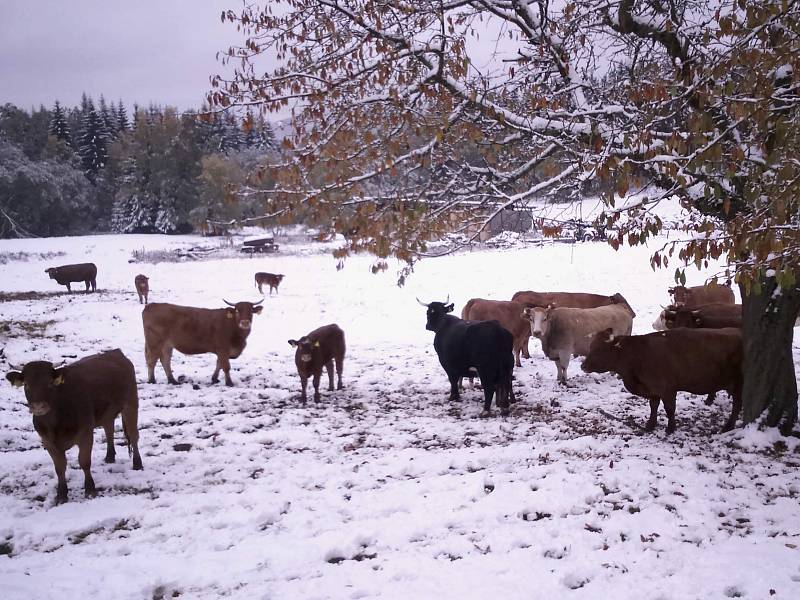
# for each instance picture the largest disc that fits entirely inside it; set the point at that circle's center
(188, 329)
(709, 294)
(562, 299)
(331, 341)
(104, 381)
(507, 312)
(76, 272)
(573, 328)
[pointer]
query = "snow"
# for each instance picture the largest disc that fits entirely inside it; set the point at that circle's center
(384, 489)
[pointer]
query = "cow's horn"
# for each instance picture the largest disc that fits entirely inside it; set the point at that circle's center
(421, 302)
(257, 303)
(15, 367)
(448, 299)
(228, 303)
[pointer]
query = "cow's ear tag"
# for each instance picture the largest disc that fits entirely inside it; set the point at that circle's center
(316, 344)
(229, 313)
(58, 379)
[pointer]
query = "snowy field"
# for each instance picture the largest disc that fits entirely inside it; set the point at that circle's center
(385, 489)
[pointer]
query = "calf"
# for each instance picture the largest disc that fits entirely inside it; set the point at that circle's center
(68, 403)
(464, 347)
(698, 295)
(66, 274)
(270, 279)
(565, 332)
(190, 330)
(508, 314)
(319, 348)
(142, 287)
(658, 365)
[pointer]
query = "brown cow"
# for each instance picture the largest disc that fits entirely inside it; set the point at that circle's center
(270, 279)
(567, 299)
(142, 287)
(508, 313)
(66, 274)
(68, 403)
(707, 316)
(701, 294)
(658, 365)
(319, 348)
(220, 331)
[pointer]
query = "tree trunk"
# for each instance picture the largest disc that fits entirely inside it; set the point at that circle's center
(768, 368)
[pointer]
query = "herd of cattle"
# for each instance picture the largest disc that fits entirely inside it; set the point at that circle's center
(697, 349)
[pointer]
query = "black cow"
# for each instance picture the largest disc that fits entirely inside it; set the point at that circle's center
(465, 347)
(66, 274)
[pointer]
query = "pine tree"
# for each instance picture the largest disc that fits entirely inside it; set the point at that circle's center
(58, 125)
(122, 118)
(92, 144)
(109, 118)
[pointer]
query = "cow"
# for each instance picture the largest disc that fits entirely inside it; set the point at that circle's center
(322, 347)
(565, 332)
(142, 285)
(270, 279)
(698, 295)
(507, 313)
(706, 316)
(567, 299)
(190, 330)
(467, 347)
(658, 365)
(66, 274)
(68, 403)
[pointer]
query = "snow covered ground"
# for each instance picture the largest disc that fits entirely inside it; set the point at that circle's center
(382, 490)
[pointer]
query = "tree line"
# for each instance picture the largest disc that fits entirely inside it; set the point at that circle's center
(100, 167)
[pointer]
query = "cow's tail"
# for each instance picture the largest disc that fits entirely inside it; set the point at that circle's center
(127, 438)
(505, 394)
(466, 309)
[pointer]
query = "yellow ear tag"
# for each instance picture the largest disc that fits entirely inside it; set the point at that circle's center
(58, 380)
(229, 315)
(316, 344)
(18, 382)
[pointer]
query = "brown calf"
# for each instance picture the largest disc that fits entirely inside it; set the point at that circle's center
(658, 365)
(142, 287)
(220, 331)
(68, 403)
(270, 279)
(319, 348)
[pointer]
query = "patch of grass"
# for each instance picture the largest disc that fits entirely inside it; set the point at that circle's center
(26, 329)
(7, 257)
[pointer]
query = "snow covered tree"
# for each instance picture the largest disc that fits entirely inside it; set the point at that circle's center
(404, 130)
(92, 144)
(122, 117)
(58, 125)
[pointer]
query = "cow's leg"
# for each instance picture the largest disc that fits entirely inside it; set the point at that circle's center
(316, 377)
(488, 392)
(303, 384)
(145, 297)
(710, 399)
(669, 407)
(339, 369)
(85, 462)
(140, 297)
(130, 425)
(562, 362)
(60, 464)
(454, 395)
(151, 358)
(94, 285)
(166, 362)
(517, 351)
(111, 453)
(525, 350)
(736, 408)
(69, 289)
(329, 369)
(224, 363)
(651, 422)
(88, 284)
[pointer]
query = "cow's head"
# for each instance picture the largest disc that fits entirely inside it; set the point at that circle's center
(679, 316)
(242, 312)
(604, 352)
(305, 348)
(538, 316)
(660, 324)
(40, 380)
(680, 295)
(52, 271)
(436, 311)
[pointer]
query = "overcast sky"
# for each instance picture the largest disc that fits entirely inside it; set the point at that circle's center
(160, 51)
